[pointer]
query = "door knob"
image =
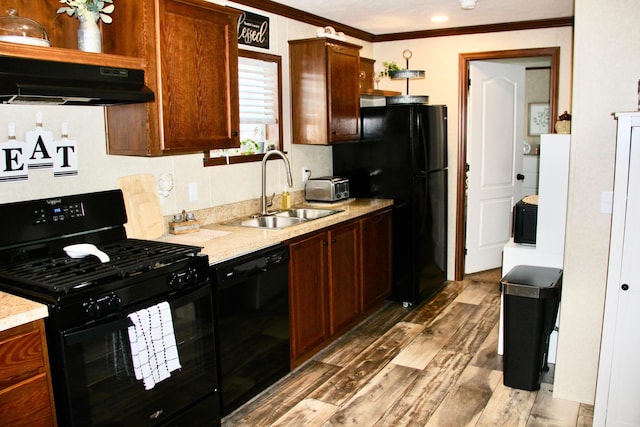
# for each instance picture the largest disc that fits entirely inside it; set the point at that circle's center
(520, 177)
(625, 287)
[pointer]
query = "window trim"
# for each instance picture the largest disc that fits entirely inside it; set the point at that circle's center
(267, 57)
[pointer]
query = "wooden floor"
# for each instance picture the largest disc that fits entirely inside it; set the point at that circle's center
(433, 365)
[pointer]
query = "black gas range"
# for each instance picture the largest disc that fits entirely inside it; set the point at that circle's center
(72, 254)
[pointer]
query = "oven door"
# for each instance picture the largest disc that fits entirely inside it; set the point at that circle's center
(101, 386)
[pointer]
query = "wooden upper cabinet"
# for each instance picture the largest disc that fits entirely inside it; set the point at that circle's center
(193, 69)
(199, 76)
(325, 91)
(366, 75)
(367, 81)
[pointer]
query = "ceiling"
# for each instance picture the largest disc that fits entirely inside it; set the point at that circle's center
(400, 16)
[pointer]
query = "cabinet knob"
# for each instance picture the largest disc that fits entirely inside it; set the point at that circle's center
(625, 287)
(234, 133)
(520, 177)
(333, 240)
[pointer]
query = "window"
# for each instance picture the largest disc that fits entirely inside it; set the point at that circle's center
(260, 90)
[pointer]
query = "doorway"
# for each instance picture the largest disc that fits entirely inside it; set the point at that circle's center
(463, 75)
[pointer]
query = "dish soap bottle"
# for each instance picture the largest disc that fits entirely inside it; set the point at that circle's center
(285, 200)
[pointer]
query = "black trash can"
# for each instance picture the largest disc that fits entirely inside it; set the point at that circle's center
(530, 306)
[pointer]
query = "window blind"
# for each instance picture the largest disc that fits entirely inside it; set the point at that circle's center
(258, 86)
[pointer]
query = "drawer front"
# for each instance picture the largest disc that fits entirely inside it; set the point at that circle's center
(27, 404)
(21, 357)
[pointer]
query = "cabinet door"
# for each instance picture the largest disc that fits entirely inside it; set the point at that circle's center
(366, 75)
(308, 72)
(376, 258)
(344, 283)
(199, 76)
(344, 93)
(308, 290)
(619, 379)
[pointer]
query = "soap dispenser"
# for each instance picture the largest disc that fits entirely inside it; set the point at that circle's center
(285, 200)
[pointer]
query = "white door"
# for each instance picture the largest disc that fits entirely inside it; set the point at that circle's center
(494, 146)
(620, 351)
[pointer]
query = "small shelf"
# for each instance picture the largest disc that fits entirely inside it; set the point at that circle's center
(69, 55)
(379, 92)
(125, 40)
(406, 74)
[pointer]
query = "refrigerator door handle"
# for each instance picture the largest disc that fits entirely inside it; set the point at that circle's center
(423, 168)
(425, 207)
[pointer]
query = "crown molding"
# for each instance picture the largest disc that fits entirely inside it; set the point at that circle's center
(319, 21)
(477, 29)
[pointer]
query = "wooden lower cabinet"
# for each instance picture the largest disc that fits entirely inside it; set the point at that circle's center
(344, 275)
(26, 396)
(325, 280)
(376, 255)
(309, 294)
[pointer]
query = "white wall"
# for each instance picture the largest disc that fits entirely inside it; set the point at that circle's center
(216, 185)
(605, 80)
(439, 58)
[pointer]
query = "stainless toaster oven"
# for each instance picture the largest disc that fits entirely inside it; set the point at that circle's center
(326, 189)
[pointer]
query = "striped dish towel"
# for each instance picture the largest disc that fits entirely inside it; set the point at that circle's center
(153, 344)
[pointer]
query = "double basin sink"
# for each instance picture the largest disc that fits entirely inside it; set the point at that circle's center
(283, 219)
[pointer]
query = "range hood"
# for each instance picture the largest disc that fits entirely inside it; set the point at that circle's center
(34, 81)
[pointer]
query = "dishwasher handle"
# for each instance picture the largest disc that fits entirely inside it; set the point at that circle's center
(250, 265)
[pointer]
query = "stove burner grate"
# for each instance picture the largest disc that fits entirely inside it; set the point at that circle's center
(128, 258)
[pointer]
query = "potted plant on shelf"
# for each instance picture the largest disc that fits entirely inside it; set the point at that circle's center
(88, 13)
(389, 68)
(249, 146)
(387, 71)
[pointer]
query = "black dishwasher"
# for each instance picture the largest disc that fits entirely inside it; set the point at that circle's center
(252, 298)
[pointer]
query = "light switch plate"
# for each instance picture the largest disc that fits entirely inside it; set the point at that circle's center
(193, 191)
(606, 202)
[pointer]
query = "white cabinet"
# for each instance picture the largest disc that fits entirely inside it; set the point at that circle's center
(530, 166)
(553, 185)
(618, 386)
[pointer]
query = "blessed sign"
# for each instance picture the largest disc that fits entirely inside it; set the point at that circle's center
(253, 30)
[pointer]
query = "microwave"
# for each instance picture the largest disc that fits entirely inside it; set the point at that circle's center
(525, 220)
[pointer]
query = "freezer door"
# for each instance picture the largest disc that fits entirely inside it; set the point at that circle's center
(433, 131)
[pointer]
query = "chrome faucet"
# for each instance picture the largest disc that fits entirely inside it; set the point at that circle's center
(263, 197)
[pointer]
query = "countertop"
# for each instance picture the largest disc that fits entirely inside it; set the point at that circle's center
(16, 311)
(221, 242)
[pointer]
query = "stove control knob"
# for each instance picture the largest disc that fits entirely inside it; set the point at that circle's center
(175, 280)
(96, 308)
(114, 304)
(192, 276)
(92, 308)
(183, 278)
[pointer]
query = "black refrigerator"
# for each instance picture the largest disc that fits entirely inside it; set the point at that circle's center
(402, 155)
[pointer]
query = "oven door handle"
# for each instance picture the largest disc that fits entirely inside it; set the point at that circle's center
(123, 323)
(103, 329)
